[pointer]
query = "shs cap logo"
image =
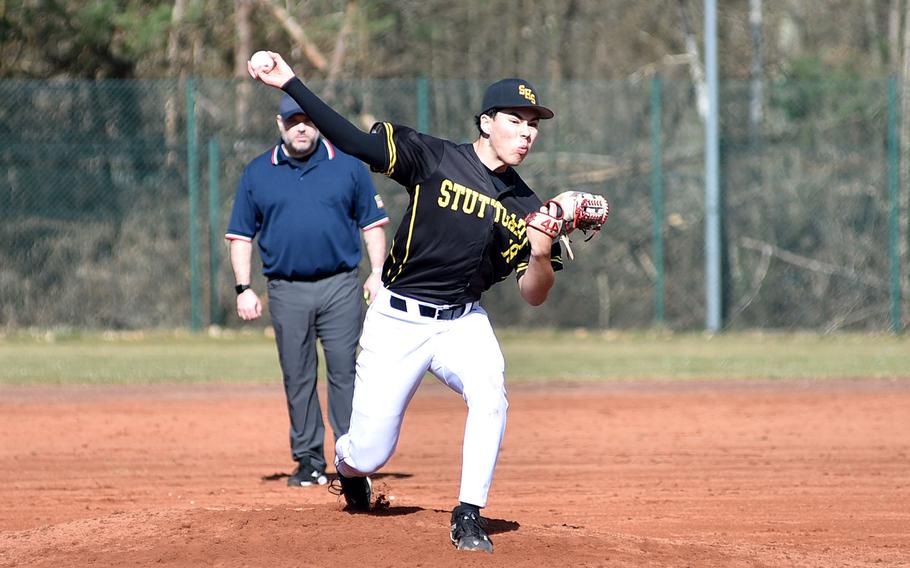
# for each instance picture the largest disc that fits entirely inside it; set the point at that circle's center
(527, 93)
(513, 93)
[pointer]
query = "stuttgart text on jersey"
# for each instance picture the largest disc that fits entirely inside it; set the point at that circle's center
(469, 201)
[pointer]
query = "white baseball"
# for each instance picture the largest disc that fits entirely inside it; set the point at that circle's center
(262, 60)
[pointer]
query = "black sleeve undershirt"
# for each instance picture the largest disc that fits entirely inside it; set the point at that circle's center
(367, 147)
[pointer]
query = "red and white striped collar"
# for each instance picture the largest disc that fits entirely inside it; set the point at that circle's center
(329, 149)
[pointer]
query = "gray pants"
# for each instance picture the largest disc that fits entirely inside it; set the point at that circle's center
(330, 310)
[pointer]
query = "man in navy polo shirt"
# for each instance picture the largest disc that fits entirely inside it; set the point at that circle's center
(308, 203)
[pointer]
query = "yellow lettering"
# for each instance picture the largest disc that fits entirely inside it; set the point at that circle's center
(527, 93)
(484, 201)
(459, 191)
(455, 196)
(500, 212)
(508, 222)
(470, 201)
(444, 195)
(513, 249)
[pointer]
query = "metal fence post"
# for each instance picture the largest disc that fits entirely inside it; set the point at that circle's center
(423, 105)
(893, 188)
(657, 200)
(712, 182)
(214, 229)
(192, 173)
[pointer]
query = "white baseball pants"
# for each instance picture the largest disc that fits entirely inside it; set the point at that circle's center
(397, 348)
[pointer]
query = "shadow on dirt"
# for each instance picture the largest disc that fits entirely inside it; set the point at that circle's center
(393, 475)
(492, 526)
(498, 526)
(395, 511)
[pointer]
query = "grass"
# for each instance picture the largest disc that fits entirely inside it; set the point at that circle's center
(250, 357)
(583, 356)
(137, 358)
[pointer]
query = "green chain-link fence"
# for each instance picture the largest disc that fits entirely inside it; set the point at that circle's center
(115, 196)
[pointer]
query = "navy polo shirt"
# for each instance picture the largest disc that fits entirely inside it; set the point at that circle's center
(306, 216)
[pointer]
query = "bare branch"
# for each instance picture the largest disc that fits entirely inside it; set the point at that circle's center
(812, 264)
(337, 62)
(173, 55)
(758, 278)
(695, 67)
(297, 33)
(242, 50)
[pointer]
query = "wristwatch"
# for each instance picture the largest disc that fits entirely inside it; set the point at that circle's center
(241, 288)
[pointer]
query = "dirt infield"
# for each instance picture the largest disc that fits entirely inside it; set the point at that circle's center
(622, 474)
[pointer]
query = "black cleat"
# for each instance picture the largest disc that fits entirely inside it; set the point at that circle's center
(467, 530)
(357, 491)
(306, 475)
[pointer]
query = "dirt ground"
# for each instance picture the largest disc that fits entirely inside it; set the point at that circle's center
(808, 473)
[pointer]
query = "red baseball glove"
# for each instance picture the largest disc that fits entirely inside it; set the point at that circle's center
(568, 211)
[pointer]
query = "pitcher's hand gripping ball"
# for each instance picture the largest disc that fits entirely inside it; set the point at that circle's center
(262, 60)
(570, 211)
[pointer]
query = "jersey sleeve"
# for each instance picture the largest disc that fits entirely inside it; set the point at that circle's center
(555, 259)
(369, 209)
(245, 220)
(366, 147)
(411, 157)
(533, 202)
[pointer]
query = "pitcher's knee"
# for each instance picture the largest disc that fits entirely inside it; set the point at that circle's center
(492, 402)
(351, 466)
(352, 459)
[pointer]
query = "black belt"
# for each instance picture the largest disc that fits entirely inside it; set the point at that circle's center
(315, 278)
(429, 311)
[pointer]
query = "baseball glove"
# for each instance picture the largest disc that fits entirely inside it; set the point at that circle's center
(570, 211)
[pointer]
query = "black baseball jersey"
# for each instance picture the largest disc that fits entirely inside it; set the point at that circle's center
(464, 227)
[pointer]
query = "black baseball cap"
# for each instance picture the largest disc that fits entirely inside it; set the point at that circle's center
(514, 93)
(288, 107)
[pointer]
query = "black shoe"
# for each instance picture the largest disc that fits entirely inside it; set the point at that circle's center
(357, 491)
(467, 530)
(306, 475)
